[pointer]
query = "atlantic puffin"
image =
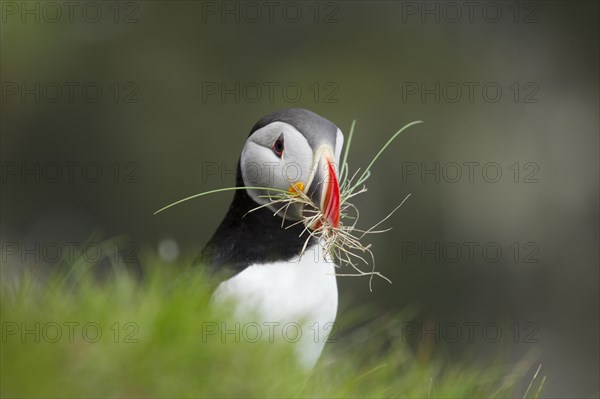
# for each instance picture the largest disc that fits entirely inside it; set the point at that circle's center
(272, 280)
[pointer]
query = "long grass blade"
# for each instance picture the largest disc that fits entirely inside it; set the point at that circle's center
(219, 190)
(366, 172)
(344, 166)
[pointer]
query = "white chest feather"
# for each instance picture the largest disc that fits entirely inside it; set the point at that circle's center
(301, 293)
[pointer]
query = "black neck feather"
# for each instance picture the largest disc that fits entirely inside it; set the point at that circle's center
(246, 238)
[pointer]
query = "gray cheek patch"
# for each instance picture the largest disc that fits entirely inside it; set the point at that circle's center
(259, 168)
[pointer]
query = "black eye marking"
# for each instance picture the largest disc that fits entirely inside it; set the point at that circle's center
(278, 146)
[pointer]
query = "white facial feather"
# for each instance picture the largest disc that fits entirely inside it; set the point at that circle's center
(261, 167)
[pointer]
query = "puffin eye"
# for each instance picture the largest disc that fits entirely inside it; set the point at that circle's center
(278, 146)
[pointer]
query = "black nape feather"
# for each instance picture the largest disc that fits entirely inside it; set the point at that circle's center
(243, 238)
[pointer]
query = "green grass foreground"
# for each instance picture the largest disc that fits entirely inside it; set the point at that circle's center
(72, 335)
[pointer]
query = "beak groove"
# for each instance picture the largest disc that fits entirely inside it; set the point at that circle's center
(325, 189)
(331, 200)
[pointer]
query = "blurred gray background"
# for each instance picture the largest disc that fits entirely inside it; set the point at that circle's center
(503, 87)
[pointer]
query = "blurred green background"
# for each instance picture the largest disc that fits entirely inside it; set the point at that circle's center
(169, 111)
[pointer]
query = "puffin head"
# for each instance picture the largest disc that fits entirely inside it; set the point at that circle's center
(294, 149)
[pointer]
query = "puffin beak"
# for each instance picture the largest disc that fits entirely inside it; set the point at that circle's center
(330, 204)
(325, 188)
